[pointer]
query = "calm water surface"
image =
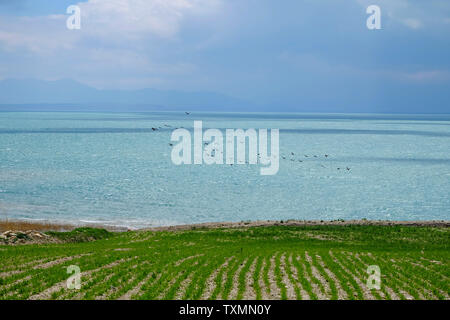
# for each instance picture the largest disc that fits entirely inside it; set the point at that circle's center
(112, 168)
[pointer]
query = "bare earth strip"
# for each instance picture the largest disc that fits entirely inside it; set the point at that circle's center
(174, 279)
(420, 265)
(314, 286)
(111, 291)
(290, 292)
(7, 274)
(275, 292)
(181, 290)
(318, 276)
(250, 293)
(88, 279)
(262, 285)
(235, 288)
(59, 261)
(15, 283)
(19, 269)
(183, 286)
(211, 281)
(366, 292)
(303, 293)
(46, 294)
(406, 281)
(358, 258)
(136, 291)
(351, 257)
(38, 266)
(389, 290)
(179, 262)
(81, 295)
(342, 295)
(440, 275)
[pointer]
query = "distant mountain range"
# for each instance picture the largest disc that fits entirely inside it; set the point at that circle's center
(71, 95)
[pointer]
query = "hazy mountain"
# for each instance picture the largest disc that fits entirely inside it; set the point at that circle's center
(68, 94)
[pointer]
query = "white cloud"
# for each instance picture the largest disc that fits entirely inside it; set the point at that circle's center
(107, 21)
(40, 35)
(135, 18)
(119, 40)
(412, 23)
(422, 76)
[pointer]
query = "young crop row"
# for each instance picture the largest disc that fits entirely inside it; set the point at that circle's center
(259, 263)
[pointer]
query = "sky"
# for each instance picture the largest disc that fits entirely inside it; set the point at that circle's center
(290, 55)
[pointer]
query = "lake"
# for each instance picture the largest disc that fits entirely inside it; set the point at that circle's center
(114, 169)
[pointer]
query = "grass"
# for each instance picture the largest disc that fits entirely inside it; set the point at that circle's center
(303, 262)
(81, 234)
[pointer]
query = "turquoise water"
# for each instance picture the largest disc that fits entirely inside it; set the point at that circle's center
(112, 168)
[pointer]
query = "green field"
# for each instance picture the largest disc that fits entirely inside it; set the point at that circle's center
(278, 262)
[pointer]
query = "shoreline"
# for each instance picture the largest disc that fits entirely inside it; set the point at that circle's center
(22, 225)
(26, 225)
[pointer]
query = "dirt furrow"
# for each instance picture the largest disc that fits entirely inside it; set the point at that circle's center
(211, 281)
(342, 295)
(113, 290)
(136, 291)
(235, 288)
(179, 262)
(290, 291)
(262, 284)
(59, 261)
(366, 291)
(405, 281)
(275, 292)
(250, 293)
(303, 293)
(47, 293)
(315, 288)
(318, 276)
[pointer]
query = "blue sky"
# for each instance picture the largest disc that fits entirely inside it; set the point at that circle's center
(293, 55)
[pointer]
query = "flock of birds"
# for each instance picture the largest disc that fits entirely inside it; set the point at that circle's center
(292, 154)
(284, 157)
(166, 125)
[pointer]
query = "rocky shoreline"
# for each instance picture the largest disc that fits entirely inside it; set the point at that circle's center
(23, 237)
(22, 233)
(48, 226)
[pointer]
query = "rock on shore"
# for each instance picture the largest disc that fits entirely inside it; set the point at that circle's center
(20, 237)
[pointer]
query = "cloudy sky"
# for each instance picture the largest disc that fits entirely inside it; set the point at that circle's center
(296, 55)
